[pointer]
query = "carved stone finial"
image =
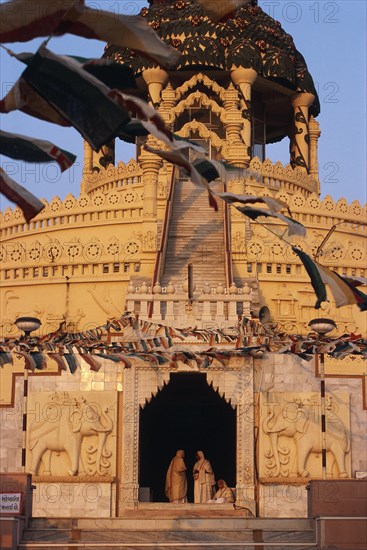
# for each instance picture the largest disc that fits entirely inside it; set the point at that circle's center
(157, 289)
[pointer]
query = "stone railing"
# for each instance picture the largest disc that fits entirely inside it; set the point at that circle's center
(115, 205)
(275, 176)
(113, 177)
(209, 306)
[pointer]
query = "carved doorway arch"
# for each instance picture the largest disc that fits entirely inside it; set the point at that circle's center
(187, 414)
(233, 382)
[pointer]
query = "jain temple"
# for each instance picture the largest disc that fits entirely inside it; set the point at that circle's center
(137, 320)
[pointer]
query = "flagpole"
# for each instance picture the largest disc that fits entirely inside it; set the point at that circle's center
(322, 327)
(27, 325)
(323, 414)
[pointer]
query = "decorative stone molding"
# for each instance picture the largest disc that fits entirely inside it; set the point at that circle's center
(198, 79)
(170, 304)
(203, 131)
(205, 100)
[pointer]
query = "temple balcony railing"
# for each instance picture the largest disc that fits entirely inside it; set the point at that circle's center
(276, 177)
(209, 307)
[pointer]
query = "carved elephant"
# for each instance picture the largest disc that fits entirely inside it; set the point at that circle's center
(306, 434)
(63, 429)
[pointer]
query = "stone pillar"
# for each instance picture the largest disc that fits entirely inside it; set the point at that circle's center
(315, 132)
(235, 150)
(244, 79)
(150, 165)
(88, 158)
(300, 137)
(87, 167)
(155, 78)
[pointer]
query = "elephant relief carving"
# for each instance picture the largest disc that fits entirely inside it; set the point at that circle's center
(65, 423)
(300, 421)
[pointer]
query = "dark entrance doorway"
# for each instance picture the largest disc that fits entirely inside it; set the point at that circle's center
(187, 414)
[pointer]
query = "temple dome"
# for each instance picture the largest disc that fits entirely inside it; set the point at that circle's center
(248, 38)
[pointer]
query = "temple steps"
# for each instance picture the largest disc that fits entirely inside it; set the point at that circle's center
(160, 531)
(195, 235)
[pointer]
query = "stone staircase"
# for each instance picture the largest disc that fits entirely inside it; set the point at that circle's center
(195, 235)
(161, 531)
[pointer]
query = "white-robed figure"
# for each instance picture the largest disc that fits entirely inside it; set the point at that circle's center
(204, 479)
(176, 480)
(224, 493)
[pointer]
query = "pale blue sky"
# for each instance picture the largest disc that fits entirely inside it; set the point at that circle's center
(330, 35)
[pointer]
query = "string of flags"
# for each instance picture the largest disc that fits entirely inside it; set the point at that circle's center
(157, 344)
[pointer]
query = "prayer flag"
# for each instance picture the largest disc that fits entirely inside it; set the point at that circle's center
(24, 98)
(341, 292)
(355, 281)
(22, 20)
(75, 94)
(314, 274)
(114, 75)
(27, 202)
(34, 150)
(359, 297)
(294, 227)
(274, 205)
(192, 169)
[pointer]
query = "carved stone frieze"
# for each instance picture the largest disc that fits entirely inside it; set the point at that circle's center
(70, 435)
(290, 436)
(202, 130)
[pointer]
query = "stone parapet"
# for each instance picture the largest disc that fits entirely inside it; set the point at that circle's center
(218, 306)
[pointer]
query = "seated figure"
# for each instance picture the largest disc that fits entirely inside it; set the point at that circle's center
(224, 493)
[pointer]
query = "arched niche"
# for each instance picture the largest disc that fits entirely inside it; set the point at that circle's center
(233, 382)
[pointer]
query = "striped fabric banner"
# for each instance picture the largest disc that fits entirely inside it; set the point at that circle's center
(34, 150)
(22, 20)
(314, 274)
(27, 202)
(78, 96)
(294, 227)
(193, 169)
(343, 291)
(23, 97)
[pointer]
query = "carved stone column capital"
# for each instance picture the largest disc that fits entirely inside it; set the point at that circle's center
(155, 78)
(240, 75)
